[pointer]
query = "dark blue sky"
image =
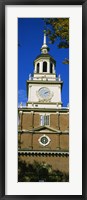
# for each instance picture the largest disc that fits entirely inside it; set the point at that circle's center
(30, 37)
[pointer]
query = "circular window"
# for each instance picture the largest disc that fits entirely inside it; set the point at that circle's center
(44, 140)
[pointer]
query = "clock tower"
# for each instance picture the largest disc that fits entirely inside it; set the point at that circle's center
(44, 88)
(44, 123)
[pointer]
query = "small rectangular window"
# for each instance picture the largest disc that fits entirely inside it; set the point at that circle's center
(36, 105)
(44, 120)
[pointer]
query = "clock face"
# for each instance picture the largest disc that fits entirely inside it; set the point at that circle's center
(44, 92)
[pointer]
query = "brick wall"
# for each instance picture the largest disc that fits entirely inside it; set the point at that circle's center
(58, 162)
(36, 120)
(30, 120)
(64, 122)
(31, 141)
(54, 121)
(57, 121)
(51, 146)
(26, 141)
(27, 121)
(64, 141)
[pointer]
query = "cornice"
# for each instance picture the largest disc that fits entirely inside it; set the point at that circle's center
(49, 103)
(44, 73)
(44, 82)
(60, 110)
(42, 56)
(42, 153)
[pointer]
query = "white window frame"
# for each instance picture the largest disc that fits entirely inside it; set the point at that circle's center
(45, 120)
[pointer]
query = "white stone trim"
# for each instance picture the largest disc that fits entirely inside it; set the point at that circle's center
(42, 137)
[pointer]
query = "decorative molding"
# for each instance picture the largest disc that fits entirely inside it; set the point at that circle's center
(45, 73)
(34, 132)
(49, 103)
(44, 82)
(44, 136)
(42, 153)
(60, 110)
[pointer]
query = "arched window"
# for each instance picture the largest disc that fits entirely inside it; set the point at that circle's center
(51, 68)
(44, 66)
(37, 67)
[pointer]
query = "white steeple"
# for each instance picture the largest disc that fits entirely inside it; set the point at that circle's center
(44, 48)
(44, 81)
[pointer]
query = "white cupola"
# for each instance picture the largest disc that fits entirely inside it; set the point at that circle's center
(44, 64)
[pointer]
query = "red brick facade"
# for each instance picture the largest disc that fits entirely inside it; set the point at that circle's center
(31, 120)
(30, 131)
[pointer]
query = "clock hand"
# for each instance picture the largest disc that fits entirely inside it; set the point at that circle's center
(45, 92)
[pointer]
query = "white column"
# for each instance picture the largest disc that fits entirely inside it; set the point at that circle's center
(29, 92)
(41, 67)
(59, 93)
(35, 69)
(48, 67)
(53, 68)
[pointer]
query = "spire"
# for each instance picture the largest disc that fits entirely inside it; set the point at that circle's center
(44, 48)
(44, 41)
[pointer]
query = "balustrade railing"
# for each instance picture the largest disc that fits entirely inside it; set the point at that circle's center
(45, 78)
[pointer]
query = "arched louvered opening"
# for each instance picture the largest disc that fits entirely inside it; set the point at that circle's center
(44, 66)
(51, 68)
(38, 67)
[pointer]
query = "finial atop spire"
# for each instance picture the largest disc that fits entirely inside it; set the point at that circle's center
(44, 48)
